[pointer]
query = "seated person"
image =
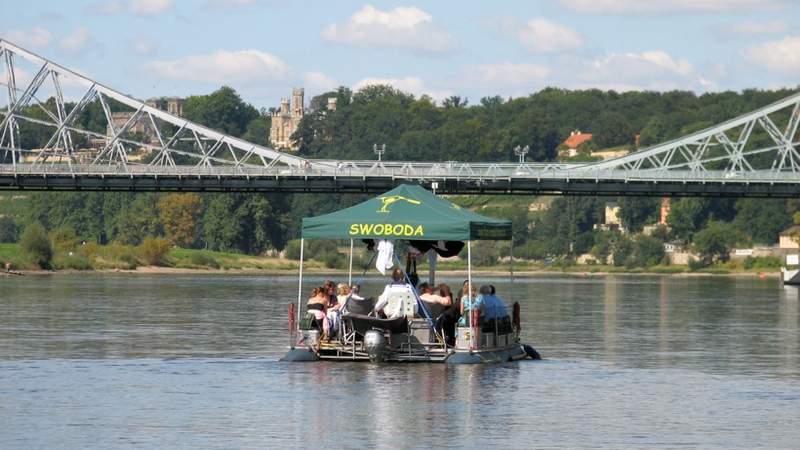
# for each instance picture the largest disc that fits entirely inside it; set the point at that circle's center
(330, 293)
(450, 315)
(470, 301)
(426, 294)
(397, 287)
(493, 307)
(316, 307)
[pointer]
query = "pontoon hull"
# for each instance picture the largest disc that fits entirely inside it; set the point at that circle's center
(514, 352)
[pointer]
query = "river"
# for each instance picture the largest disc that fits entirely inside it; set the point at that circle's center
(113, 361)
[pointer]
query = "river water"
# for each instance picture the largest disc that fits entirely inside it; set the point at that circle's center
(191, 361)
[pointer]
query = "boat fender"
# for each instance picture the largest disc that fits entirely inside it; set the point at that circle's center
(531, 352)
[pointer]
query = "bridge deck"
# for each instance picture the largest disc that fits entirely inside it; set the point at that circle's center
(467, 179)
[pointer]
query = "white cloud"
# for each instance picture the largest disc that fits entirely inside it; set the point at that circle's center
(106, 8)
(76, 40)
(140, 7)
(543, 36)
(149, 7)
(36, 37)
(223, 66)
(144, 46)
(318, 81)
(411, 85)
(778, 56)
(652, 70)
(753, 28)
(401, 27)
(232, 2)
(668, 6)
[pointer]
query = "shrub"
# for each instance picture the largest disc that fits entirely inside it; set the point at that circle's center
(334, 260)
(293, 250)
(121, 256)
(154, 251)
(204, 260)
(696, 264)
(36, 246)
(64, 238)
(761, 262)
(72, 261)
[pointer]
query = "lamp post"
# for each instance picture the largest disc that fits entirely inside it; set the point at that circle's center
(521, 152)
(379, 150)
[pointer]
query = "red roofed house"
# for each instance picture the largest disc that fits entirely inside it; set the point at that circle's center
(575, 139)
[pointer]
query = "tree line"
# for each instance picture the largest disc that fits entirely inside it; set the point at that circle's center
(418, 128)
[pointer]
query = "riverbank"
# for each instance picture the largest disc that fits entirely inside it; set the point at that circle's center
(124, 259)
(157, 270)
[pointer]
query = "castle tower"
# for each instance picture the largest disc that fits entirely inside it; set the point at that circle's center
(286, 120)
(297, 102)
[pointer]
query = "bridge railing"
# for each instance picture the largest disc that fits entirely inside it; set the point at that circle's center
(403, 171)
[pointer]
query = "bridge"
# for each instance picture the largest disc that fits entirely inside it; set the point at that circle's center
(753, 155)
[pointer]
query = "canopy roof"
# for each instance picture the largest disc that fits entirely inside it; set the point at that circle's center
(406, 212)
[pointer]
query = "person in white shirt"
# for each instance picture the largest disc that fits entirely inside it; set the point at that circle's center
(397, 285)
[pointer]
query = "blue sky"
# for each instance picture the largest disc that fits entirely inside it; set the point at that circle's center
(263, 48)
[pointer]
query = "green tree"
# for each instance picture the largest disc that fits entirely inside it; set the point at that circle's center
(762, 219)
(635, 212)
(222, 110)
(654, 132)
(623, 249)
(647, 251)
(36, 245)
(138, 220)
(8, 230)
(685, 216)
(613, 129)
(242, 223)
(258, 130)
(716, 240)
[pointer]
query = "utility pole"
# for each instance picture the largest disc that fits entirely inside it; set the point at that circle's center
(379, 150)
(521, 152)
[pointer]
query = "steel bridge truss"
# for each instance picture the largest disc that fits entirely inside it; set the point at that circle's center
(39, 106)
(140, 147)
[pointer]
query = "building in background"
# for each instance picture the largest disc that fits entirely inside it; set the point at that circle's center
(612, 220)
(286, 120)
(142, 127)
(570, 146)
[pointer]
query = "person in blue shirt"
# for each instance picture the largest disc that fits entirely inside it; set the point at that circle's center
(493, 307)
(469, 301)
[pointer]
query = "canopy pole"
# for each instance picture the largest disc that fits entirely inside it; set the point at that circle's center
(432, 267)
(300, 283)
(350, 271)
(511, 269)
(469, 283)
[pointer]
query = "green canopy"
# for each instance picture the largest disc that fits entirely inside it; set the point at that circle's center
(406, 212)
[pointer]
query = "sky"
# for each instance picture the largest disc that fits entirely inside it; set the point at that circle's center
(263, 48)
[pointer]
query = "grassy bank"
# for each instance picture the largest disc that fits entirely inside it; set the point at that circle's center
(120, 257)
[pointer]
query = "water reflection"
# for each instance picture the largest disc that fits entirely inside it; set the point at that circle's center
(663, 316)
(610, 296)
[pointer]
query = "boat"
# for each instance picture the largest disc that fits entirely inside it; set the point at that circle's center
(790, 273)
(398, 326)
